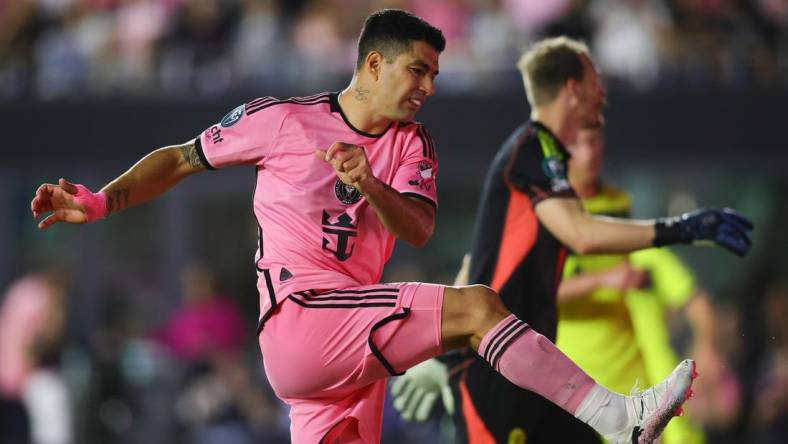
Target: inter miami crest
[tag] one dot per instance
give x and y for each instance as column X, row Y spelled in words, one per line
column 347, row 194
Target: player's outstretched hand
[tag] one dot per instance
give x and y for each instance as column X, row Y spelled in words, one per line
column 68, row 202
column 722, row 226
column 416, row 392
column 624, row 277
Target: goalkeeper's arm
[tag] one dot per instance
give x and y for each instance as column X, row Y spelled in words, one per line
column 573, row 226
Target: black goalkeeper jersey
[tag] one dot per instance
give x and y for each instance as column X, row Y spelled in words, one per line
column 512, row 251
column 516, row 255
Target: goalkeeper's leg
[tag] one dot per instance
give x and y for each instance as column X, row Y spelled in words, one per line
column 474, row 316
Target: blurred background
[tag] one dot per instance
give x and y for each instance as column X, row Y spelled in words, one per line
column 140, row 329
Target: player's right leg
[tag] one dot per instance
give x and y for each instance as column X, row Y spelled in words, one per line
column 474, row 316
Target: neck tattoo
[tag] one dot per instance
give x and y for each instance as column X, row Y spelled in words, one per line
column 361, row 94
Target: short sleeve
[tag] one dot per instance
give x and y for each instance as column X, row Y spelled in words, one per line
column 418, row 169
column 245, row 135
column 538, row 168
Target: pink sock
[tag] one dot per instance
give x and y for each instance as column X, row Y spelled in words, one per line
column 531, row 361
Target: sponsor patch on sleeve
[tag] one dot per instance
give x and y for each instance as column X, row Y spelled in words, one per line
column 425, row 177
column 233, row 117
column 554, row 167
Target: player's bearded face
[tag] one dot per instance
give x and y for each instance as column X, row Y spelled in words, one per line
column 408, row 81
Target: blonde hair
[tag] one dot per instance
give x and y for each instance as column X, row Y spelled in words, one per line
column 548, row 64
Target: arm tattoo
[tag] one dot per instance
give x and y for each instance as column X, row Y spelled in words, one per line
column 116, row 200
column 190, row 155
column 361, row 94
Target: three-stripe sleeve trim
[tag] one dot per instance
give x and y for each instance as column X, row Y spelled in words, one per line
column 428, row 146
column 266, row 102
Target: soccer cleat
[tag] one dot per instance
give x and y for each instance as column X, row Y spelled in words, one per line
column 655, row 407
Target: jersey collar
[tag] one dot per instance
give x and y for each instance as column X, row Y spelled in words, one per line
column 335, row 108
column 558, row 143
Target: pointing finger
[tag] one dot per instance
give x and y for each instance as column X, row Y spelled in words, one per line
column 333, row 149
column 338, row 146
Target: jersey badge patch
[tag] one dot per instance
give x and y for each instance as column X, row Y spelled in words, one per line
column 233, row 117
column 347, row 194
column 425, row 178
column 425, row 170
column 554, row 167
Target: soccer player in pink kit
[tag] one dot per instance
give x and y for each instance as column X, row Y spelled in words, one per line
column 339, row 177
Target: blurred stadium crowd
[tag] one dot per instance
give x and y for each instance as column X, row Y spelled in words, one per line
column 127, row 341
column 64, row 48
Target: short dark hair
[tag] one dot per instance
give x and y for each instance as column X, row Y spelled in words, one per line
column 548, row 64
column 391, row 32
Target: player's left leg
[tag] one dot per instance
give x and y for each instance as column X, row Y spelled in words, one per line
column 474, row 316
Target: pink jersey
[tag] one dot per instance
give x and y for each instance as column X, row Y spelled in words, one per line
column 317, row 232
column 24, row 314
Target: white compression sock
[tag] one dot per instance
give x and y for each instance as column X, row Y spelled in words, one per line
column 605, row 411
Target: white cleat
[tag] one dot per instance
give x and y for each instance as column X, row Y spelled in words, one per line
column 655, row 407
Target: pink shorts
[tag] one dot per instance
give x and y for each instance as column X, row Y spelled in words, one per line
column 328, row 354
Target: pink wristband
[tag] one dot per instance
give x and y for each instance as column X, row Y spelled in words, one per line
column 95, row 204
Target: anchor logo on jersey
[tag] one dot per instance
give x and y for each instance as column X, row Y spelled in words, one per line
column 343, row 229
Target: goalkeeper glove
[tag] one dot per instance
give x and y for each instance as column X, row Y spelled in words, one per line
column 724, row 227
column 416, row 392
